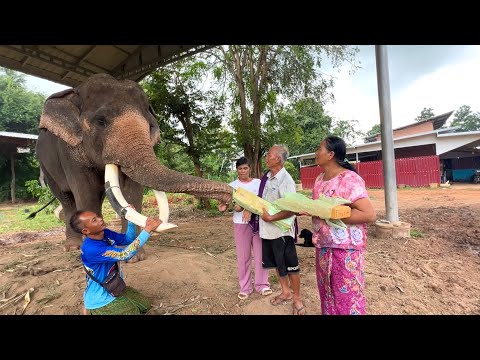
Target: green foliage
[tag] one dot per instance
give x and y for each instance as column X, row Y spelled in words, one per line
column 217, row 165
column 20, row 109
column 416, row 233
column 26, row 168
column 190, row 119
column 346, row 129
column 376, row 129
column 213, row 211
column 426, row 113
column 273, row 279
column 292, row 170
column 300, row 126
column 466, row 119
column 303, row 125
column 259, row 78
column 174, row 157
column 43, row 194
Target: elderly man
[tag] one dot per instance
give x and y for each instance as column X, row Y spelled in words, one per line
column 278, row 247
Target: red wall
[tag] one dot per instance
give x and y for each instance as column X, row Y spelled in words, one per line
column 417, row 171
column 308, row 174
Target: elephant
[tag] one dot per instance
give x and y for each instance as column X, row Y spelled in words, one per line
column 107, row 121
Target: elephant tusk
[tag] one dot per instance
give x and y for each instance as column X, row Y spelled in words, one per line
column 163, row 209
column 120, row 205
column 57, row 212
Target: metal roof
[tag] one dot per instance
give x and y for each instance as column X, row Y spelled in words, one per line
column 18, row 135
column 444, row 139
column 437, row 122
column 8, row 139
column 70, row 65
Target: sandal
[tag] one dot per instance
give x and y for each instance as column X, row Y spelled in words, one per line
column 299, row 311
column 266, row 292
column 278, row 300
column 242, row 296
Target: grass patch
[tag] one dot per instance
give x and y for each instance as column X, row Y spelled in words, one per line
column 108, row 212
column 416, row 233
column 15, row 220
column 273, row 279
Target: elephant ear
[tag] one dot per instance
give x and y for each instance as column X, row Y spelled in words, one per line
column 61, row 116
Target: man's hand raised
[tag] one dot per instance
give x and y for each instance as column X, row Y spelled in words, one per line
column 152, row 224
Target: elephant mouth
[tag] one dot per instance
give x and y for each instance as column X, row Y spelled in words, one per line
column 120, row 205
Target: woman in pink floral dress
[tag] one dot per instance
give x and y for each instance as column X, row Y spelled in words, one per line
column 340, row 252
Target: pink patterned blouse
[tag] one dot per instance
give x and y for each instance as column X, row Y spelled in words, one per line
column 350, row 186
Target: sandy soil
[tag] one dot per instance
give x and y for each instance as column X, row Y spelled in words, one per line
column 192, row 269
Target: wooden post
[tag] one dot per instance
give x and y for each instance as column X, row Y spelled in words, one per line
column 12, row 186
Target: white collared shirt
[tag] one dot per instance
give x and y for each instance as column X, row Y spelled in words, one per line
column 275, row 188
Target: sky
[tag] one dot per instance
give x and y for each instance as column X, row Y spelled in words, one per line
column 441, row 77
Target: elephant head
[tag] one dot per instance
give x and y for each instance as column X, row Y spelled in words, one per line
column 107, row 121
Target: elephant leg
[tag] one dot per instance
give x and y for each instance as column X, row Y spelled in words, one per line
column 133, row 193
column 73, row 240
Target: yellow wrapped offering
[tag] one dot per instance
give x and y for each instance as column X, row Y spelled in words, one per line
column 255, row 204
column 324, row 207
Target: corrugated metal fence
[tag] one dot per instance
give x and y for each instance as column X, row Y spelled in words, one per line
column 417, row 171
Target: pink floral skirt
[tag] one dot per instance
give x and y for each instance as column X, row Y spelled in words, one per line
column 341, row 281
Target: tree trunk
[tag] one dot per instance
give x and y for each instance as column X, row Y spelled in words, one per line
column 12, row 186
column 199, row 172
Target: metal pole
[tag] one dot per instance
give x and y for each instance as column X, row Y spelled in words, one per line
column 388, row 154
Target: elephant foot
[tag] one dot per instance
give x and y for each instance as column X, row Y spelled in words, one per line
column 72, row 245
column 139, row 256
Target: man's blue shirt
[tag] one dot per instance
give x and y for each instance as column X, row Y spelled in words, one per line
column 100, row 256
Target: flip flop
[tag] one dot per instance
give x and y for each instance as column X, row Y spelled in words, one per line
column 299, row 311
column 242, row 296
column 266, row 292
column 278, row 300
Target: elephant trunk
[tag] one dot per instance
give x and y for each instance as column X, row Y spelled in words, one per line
column 134, row 154
column 152, row 174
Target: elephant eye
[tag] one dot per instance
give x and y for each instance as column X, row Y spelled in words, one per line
column 101, row 120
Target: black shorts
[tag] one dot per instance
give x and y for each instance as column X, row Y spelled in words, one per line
column 280, row 254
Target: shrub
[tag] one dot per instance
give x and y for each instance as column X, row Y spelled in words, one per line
column 42, row 194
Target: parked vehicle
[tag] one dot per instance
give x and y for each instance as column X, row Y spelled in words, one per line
column 476, row 177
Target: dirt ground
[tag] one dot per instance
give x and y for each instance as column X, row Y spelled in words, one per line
column 192, row 269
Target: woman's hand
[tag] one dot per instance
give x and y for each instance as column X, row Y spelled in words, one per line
column 222, row 207
column 247, row 215
column 302, row 213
